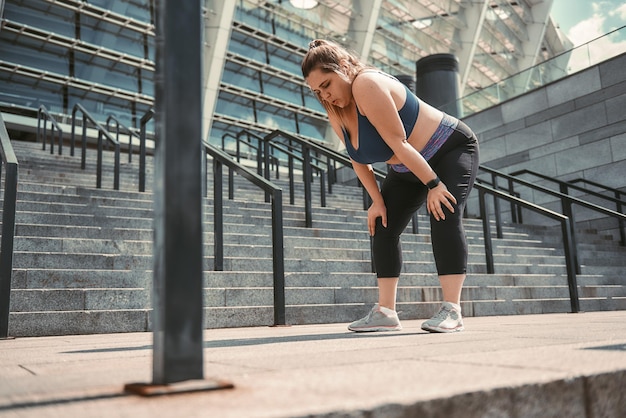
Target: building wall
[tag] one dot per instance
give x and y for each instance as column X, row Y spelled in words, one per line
column 572, row 128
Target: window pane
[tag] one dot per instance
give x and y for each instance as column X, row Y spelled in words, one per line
column 247, row 47
column 229, row 104
column 245, row 78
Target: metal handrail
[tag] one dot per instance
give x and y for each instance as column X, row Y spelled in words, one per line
column 220, row 158
column 568, row 240
column 142, row 148
column 42, row 113
column 264, row 163
column 566, row 202
column 126, row 130
column 332, row 158
column 307, row 147
column 102, row 132
column 618, row 193
column 565, row 186
column 9, row 161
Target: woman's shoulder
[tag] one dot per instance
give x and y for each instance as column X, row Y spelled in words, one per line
column 372, row 80
column 376, row 86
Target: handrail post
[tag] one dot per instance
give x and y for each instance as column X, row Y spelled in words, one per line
column 266, row 160
column 99, row 162
column 307, row 175
column 570, row 264
column 484, row 214
column 73, row 136
column 566, row 206
column 278, row 258
column 516, row 210
column 414, row 224
column 83, row 160
column 496, row 207
column 231, row 184
column 292, row 188
column 330, row 169
column 116, row 169
column 142, row 149
column 218, row 217
column 259, row 158
column 322, row 190
column 60, row 133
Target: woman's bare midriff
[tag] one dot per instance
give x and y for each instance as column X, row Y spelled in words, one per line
column 427, row 123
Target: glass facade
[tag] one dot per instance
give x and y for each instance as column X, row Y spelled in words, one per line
column 101, row 53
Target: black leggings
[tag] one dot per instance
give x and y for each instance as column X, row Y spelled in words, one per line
column 456, row 164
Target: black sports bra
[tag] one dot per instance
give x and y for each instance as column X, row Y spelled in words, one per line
column 371, row 146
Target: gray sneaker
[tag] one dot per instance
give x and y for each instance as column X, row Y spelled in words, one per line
column 376, row 320
column 448, row 319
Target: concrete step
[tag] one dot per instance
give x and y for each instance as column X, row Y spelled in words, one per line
column 83, row 261
column 137, row 320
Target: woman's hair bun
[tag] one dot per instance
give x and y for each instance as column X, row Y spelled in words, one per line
column 315, row 43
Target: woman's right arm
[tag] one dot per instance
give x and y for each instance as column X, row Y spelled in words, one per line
column 366, row 175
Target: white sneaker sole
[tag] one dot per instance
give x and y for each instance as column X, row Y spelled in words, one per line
column 375, row 329
column 442, row 330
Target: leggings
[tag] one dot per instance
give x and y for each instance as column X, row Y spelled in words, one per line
column 456, row 164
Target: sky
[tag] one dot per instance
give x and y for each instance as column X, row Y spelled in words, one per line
column 585, row 20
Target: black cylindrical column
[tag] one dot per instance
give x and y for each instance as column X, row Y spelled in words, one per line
column 437, row 82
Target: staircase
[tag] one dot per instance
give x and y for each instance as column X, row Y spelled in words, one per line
column 83, row 258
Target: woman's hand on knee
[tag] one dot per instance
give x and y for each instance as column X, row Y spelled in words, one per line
column 376, row 210
column 438, row 197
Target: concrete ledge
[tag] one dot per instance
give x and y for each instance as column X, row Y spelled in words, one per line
column 550, row 365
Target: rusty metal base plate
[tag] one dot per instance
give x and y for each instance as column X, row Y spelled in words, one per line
column 188, row 386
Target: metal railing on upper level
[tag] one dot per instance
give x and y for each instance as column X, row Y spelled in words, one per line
column 555, row 68
column 8, row 166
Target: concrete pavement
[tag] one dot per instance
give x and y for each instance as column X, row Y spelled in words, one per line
column 560, row 365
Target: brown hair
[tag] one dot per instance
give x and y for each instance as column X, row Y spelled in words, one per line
column 328, row 56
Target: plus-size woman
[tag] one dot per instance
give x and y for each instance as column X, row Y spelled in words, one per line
column 432, row 158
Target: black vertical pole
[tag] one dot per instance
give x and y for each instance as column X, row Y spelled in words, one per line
column 178, row 208
column 177, row 251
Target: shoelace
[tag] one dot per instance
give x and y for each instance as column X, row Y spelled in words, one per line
column 368, row 318
column 443, row 313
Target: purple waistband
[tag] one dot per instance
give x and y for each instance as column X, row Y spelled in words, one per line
column 443, row 132
column 436, row 141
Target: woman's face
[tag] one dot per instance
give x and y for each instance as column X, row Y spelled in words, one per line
column 331, row 87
